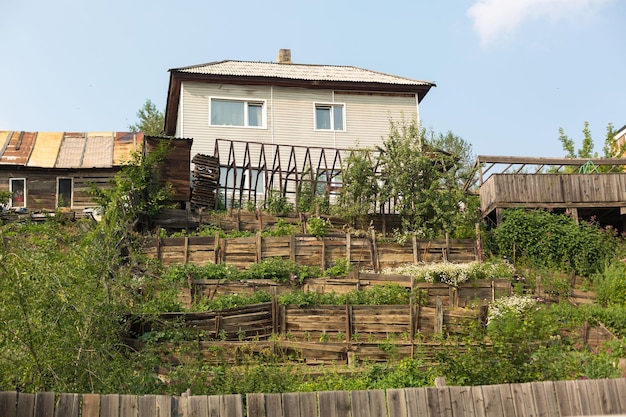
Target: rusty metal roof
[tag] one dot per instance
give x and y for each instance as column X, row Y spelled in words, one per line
column 68, row 149
column 299, row 72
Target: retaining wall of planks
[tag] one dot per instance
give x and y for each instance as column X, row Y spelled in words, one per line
column 555, row 399
column 468, row 293
column 309, row 250
column 337, row 323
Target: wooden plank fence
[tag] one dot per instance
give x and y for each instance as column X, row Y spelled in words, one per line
column 260, row 321
column 479, row 291
column 309, row 250
column 555, row 399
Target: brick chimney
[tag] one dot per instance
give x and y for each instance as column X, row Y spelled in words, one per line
column 284, row 56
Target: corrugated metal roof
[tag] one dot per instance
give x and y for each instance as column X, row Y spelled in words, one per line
column 298, row 72
column 68, row 149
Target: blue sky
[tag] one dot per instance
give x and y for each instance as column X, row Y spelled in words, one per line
column 509, row 73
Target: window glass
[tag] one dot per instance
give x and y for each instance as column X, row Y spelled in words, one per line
column 338, row 117
column 64, row 198
column 322, row 117
column 227, row 113
column 255, row 114
column 329, row 117
column 18, row 190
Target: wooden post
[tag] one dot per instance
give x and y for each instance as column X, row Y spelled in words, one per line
column 384, row 225
column 238, row 218
column 292, row 248
column 259, row 246
column 282, row 313
column 479, row 244
column 412, row 317
column 216, row 248
column 418, row 315
column 493, row 291
column 323, row 255
column 158, row 243
column 439, row 316
column 447, row 252
column 375, row 260
column 260, row 217
column 348, row 247
column 348, row 321
column 415, row 250
column 186, row 249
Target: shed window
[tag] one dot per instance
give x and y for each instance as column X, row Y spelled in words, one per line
column 65, row 192
column 329, row 117
column 17, row 186
column 242, row 113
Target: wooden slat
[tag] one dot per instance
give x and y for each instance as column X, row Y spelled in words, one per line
column 461, row 402
column 479, row 401
column 164, row 404
column 417, row 402
column 291, row 405
column 492, row 401
column 25, row 405
column 128, row 406
column 214, row 405
column 197, row 405
column 255, row 404
column 327, row 403
column 8, row 401
column 378, row 403
column 396, row 403
column 343, row 404
column 273, row 405
column 67, row 406
column 231, row 405
column 523, row 399
column 110, row 406
column 360, row 404
column 146, row 405
column 44, row 404
column 91, row 405
column 308, row 404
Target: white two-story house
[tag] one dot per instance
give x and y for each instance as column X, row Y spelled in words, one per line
column 283, row 103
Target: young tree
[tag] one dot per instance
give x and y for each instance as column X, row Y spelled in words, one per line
column 360, row 185
column 151, row 120
column 611, row 148
column 422, row 181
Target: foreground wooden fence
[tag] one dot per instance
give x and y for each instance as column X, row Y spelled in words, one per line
column 309, row 250
column 553, row 399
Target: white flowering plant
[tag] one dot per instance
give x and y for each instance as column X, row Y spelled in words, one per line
column 454, row 274
column 518, row 304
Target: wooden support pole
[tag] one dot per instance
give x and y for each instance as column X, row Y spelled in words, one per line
column 348, row 247
column 375, row 260
column 446, row 254
column 292, row 248
column 217, row 248
column 238, row 219
column 415, row 250
column 259, row 246
column 439, row 316
column 348, row 321
column 323, row 255
column 479, row 244
column 186, row 249
column 259, row 215
column 158, row 244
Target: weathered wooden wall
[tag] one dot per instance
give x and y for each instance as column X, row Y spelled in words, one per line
column 41, row 184
column 308, row 250
column 554, row 399
column 553, row 190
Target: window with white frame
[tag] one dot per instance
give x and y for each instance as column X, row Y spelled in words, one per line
column 236, row 112
column 65, row 192
column 17, row 186
column 329, row 116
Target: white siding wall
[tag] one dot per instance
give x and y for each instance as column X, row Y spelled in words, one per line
column 290, row 117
